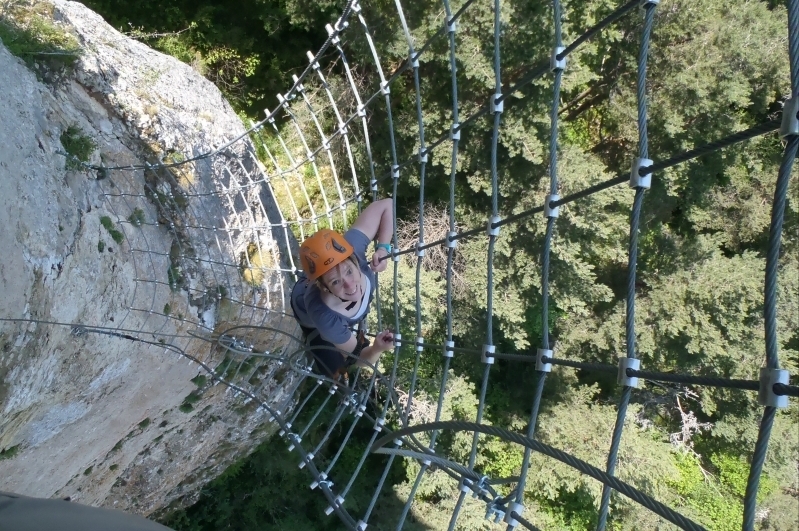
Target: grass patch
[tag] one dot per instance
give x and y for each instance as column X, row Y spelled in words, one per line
column 200, row 380
column 100, row 246
column 192, row 398
column 174, row 277
column 9, row 453
column 167, row 309
column 117, row 236
column 118, row 445
column 29, row 32
column 137, row 217
column 78, row 145
column 88, row 471
column 143, row 424
column 113, row 467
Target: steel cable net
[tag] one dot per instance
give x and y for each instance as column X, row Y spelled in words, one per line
column 330, row 146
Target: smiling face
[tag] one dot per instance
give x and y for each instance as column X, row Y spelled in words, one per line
column 344, row 281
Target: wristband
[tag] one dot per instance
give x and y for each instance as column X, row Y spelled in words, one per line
column 386, row 246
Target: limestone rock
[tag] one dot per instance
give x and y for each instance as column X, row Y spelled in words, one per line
column 98, row 401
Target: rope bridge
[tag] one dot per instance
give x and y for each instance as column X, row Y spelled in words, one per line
column 323, row 154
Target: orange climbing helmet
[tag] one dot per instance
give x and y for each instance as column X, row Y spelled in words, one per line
column 323, row 251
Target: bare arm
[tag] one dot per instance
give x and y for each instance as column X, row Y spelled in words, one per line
column 383, row 341
column 347, row 346
column 377, row 220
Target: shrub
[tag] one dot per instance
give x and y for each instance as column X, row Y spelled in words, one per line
column 78, row 145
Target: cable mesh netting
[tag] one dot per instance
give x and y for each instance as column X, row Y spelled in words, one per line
column 329, row 147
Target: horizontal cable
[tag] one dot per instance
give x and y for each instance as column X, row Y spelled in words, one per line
column 786, row 390
column 526, row 523
column 729, row 383
column 752, row 132
column 599, row 367
column 607, row 21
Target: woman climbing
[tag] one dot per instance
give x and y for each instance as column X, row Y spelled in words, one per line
column 332, row 297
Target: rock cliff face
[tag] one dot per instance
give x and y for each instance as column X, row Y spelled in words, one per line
column 106, row 276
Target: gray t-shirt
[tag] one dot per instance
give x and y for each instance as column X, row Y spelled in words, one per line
column 311, row 312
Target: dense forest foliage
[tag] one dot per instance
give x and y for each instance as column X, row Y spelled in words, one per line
column 716, row 67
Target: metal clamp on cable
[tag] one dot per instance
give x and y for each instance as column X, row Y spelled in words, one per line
column 491, row 229
column 488, row 351
column 494, row 512
column 451, row 241
column 624, row 364
column 414, row 60
column 384, row 88
column 556, row 64
column 419, row 344
column 322, row 478
column 308, row 459
column 497, row 106
column 333, row 34
column 361, row 410
column 790, row 117
column 419, row 250
column 549, row 210
column 637, row 179
column 479, row 487
column 540, row 364
column 311, row 59
column 398, row 339
column 356, row 7
column 373, row 185
column 643, row 4
column 361, row 525
column 337, row 502
column 422, row 155
column 379, row 423
column 397, row 442
column 513, row 508
column 395, row 255
column 295, row 440
column 300, row 87
column 352, row 401
column 455, row 132
column 282, row 432
column 361, row 112
column 395, row 172
column 448, row 346
column 766, row 395
column 451, row 24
